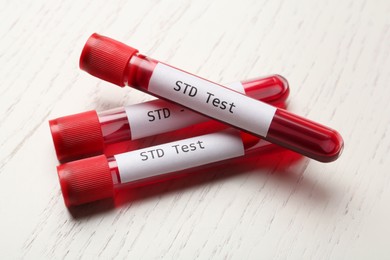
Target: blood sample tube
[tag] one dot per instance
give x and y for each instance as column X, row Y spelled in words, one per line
column 122, row 65
column 87, row 134
column 98, row 177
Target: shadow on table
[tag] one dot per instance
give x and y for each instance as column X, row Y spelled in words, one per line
column 278, row 165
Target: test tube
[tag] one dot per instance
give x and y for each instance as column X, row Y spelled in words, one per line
column 122, row 65
column 98, row 177
column 88, row 133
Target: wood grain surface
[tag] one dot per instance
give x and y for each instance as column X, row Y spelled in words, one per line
column 336, row 56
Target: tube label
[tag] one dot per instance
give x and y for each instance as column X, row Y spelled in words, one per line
column 159, row 116
column 211, row 99
column 179, row 155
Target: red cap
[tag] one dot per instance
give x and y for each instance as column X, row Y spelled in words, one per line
column 106, row 58
column 77, row 136
column 85, row 180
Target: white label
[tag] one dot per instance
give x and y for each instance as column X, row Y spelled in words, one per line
column 179, row 155
column 159, row 116
column 211, row 99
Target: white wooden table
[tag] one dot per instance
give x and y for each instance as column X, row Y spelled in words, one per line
column 336, row 56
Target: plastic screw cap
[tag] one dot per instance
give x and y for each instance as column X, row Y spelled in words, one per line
column 106, row 58
column 86, row 180
column 77, row 135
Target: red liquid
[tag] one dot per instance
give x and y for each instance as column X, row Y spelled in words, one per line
column 287, row 130
column 305, row 137
column 99, row 177
column 251, row 144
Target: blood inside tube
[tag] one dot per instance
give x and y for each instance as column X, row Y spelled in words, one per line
column 146, row 164
column 98, row 177
column 305, row 136
column 256, row 152
column 288, row 130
